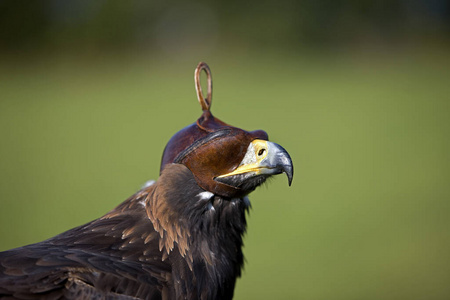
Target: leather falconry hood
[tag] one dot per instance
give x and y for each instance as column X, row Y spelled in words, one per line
column 210, row 147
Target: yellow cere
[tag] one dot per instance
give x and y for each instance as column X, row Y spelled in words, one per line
column 256, row 153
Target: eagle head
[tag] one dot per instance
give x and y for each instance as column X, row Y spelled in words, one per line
column 225, row 160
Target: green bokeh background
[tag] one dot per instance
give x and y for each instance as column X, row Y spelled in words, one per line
column 367, row 215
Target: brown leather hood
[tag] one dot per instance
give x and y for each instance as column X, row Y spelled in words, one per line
column 210, row 147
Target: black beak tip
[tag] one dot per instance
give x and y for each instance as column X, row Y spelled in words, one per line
column 289, row 170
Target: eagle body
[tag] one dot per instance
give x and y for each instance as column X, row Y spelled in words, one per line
column 177, row 238
column 164, row 242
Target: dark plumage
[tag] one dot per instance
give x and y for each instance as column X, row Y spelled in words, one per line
column 179, row 238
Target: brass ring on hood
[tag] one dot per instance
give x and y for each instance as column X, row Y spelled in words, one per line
column 204, row 102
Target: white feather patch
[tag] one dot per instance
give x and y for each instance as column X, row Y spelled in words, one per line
column 148, row 183
column 205, row 195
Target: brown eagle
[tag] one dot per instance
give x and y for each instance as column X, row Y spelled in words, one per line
column 177, row 238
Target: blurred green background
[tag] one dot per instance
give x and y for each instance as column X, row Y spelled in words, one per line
column 357, row 92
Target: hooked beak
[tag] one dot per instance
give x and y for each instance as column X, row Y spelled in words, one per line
column 264, row 158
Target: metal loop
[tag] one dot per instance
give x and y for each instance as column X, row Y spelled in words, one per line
column 204, row 102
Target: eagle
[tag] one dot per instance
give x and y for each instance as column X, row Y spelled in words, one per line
column 179, row 237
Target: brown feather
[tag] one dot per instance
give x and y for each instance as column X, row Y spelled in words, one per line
column 161, row 242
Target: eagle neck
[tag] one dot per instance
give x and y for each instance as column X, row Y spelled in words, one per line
column 201, row 233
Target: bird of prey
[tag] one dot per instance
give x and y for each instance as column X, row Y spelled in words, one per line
column 177, row 238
